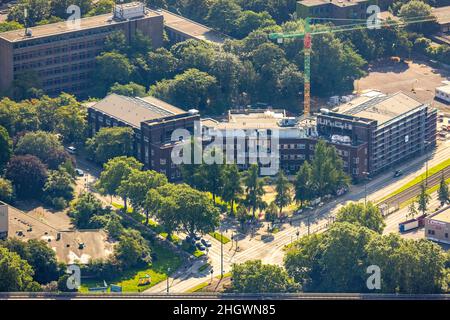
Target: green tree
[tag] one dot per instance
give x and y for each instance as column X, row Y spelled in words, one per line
column 407, row 266
column 180, row 207
column 59, row 188
column 443, row 194
column 283, row 196
column 107, row 61
column 412, row 210
column 38, row 255
column 5, row 147
column 10, row 25
column 37, row 10
column 136, row 186
column 191, row 89
column 15, row 273
column 84, row 208
column 130, row 90
column 115, row 171
column 27, row 174
column 132, row 249
column 102, row 7
column 232, row 187
column 366, row 215
column 6, row 190
column 272, row 212
column 254, row 277
column 304, row 183
column 249, row 20
column 72, row 122
column 58, row 8
column 254, row 188
column 116, row 41
column 44, row 145
column 331, row 261
column 108, row 143
column 423, row 199
column 222, row 15
column 162, row 65
column 413, row 10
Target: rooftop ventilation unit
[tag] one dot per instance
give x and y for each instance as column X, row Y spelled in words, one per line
column 129, row 10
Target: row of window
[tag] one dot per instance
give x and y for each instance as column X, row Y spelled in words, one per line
column 63, row 37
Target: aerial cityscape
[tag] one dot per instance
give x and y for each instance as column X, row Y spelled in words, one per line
column 224, row 149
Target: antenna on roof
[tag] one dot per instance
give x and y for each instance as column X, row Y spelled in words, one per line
column 28, row 32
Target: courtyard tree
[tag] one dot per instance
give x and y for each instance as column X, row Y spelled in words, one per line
column 304, row 184
column 232, row 187
column 108, row 143
column 423, row 199
column 283, row 196
column 254, row 188
column 5, row 147
column 114, row 172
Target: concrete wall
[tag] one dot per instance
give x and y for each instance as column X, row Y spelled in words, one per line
column 4, row 222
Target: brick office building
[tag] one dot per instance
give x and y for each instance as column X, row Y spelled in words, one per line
column 152, row 121
column 63, row 57
column 370, row 133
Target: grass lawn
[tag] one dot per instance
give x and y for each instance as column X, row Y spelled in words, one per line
column 129, row 280
column 418, row 179
column 216, row 235
column 429, row 191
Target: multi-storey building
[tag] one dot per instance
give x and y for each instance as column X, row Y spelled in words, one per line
column 63, row 54
column 395, row 128
column 153, row 122
column 332, row 9
column 296, row 139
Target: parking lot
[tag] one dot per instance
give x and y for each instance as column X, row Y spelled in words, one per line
column 415, row 78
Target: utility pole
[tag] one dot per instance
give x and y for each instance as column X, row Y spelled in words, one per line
column 366, row 177
column 168, row 276
column 221, row 254
column 308, row 226
column 307, row 69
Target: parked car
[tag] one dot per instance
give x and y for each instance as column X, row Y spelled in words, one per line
column 190, row 240
column 79, row 172
column 200, row 246
column 206, row 243
column 197, row 236
column 72, row 150
column 398, row 173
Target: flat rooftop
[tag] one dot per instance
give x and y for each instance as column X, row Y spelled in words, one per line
column 442, row 14
column 133, row 111
column 189, row 27
column 382, row 108
column 445, row 89
column 443, row 216
column 64, row 27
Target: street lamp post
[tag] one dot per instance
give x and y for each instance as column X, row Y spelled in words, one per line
column 308, row 226
column 427, row 143
column 366, row 176
column 221, row 254
column 168, row 276
column 297, row 233
column 212, row 271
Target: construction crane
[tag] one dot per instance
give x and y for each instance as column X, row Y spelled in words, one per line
column 354, row 24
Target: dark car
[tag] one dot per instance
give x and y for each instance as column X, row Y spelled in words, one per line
column 206, row 243
column 200, row 246
column 197, row 236
column 398, row 173
column 190, row 240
